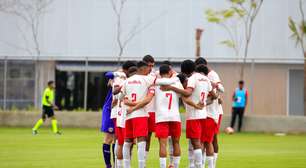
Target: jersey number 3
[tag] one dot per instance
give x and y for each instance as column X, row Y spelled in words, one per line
column 133, row 97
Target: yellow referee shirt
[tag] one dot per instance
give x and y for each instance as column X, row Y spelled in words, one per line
column 48, row 97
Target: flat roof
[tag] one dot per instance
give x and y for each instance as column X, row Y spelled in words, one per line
column 158, row 59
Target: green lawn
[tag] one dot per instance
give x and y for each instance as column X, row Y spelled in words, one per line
column 81, row 148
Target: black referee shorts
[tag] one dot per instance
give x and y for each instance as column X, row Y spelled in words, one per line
column 47, row 112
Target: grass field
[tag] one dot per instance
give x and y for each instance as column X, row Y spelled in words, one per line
column 81, row 148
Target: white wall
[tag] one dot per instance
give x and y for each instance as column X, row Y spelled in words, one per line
column 87, row 28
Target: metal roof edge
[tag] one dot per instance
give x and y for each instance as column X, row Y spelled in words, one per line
column 263, row 60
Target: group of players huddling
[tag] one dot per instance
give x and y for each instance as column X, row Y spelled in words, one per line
column 143, row 101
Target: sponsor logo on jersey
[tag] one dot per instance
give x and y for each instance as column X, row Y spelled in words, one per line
column 134, row 82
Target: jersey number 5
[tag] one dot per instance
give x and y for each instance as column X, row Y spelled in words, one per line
column 169, row 95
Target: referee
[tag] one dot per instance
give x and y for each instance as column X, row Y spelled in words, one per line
column 48, row 107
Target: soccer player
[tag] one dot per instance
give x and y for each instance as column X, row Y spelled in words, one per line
column 198, row 88
column 136, row 124
column 48, row 108
column 110, row 111
column 210, row 126
column 168, row 121
column 168, row 118
column 135, row 90
column 120, row 124
column 150, row 108
column 215, row 107
column 167, row 115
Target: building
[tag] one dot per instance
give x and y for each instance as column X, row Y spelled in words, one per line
column 78, row 35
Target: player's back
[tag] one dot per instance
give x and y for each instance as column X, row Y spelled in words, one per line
column 135, row 89
column 167, row 104
column 214, row 109
column 213, row 76
column 201, row 87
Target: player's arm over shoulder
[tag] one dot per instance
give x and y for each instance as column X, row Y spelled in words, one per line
column 140, row 104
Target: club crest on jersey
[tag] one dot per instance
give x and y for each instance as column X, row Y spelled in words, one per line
column 110, row 129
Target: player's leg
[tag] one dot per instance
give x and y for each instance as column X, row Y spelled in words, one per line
column 119, row 154
column 234, row 114
column 119, row 146
column 140, row 127
column 148, row 143
column 240, row 116
column 162, row 152
column 106, row 148
column 39, row 122
column 216, row 149
column 203, row 155
column 194, row 132
column 209, row 154
column 175, row 132
column 128, row 142
column 209, row 126
column 197, row 152
column 170, row 146
column 162, row 133
column 215, row 141
column 190, row 154
column 196, row 143
column 151, row 129
column 141, row 150
column 115, row 143
column 126, row 151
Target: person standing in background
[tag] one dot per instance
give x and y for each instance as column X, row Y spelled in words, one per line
column 240, row 99
column 48, row 108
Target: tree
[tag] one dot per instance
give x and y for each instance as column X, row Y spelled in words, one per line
column 123, row 36
column 298, row 29
column 30, row 12
column 239, row 17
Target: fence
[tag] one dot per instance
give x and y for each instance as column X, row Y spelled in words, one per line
column 275, row 85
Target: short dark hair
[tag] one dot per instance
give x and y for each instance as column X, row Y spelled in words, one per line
column 164, row 69
column 187, row 67
column 127, row 64
column 202, row 69
column 148, row 59
column 241, row 82
column 132, row 70
column 200, row 61
column 167, row 62
column 182, row 78
column 141, row 64
column 50, row 82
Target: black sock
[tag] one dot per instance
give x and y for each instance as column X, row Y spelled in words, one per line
column 113, row 149
column 106, row 154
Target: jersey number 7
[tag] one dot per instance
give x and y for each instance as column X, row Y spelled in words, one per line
column 169, row 95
